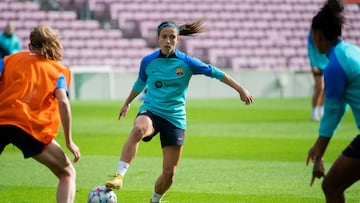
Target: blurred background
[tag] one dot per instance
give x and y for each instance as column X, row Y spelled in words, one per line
column 261, row 43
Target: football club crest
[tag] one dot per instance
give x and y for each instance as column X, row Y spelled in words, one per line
column 179, row 71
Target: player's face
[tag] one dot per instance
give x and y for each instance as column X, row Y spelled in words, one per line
column 168, row 39
column 9, row 30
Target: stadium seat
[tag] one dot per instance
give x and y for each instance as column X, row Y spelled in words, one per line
column 251, row 34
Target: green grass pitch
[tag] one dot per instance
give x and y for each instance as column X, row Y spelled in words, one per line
column 232, row 153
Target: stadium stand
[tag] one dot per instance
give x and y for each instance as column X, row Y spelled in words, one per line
column 84, row 41
column 252, row 34
column 257, row 34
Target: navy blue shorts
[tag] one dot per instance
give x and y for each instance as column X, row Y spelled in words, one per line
column 170, row 135
column 29, row 146
column 353, row 149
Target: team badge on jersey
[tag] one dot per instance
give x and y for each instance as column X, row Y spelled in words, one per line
column 179, row 71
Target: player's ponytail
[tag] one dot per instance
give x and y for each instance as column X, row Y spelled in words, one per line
column 192, row 28
column 330, row 20
column 45, row 41
column 185, row 29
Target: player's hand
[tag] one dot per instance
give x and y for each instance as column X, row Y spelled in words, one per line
column 318, row 169
column 246, row 97
column 74, row 149
column 123, row 111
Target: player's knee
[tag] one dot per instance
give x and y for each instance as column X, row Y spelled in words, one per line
column 326, row 186
column 329, row 188
column 69, row 171
column 139, row 131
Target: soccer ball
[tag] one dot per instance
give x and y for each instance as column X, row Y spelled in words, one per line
column 101, row 194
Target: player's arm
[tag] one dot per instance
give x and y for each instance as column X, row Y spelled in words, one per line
column 245, row 96
column 65, row 112
column 137, row 88
column 315, row 155
column 65, row 116
column 336, row 82
column 199, row 67
column 124, row 109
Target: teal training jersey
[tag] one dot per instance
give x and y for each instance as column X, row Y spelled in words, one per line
column 315, row 57
column 166, row 78
column 342, row 86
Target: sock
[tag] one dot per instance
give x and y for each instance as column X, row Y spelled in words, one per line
column 156, row 197
column 320, row 111
column 122, row 168
column 314, row 113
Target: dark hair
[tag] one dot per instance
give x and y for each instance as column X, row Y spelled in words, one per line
column 185, row 29
column 330, row 19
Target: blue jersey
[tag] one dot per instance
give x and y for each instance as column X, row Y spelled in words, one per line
column 342, row 86
column 166, row 78
column 315, row 57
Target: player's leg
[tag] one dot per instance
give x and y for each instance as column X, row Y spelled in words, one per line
column 4, row 141
column 343, row 173
column 143, row 126
column 56, row 160
column 171, row 158
column 318, row 95
column 319, row 83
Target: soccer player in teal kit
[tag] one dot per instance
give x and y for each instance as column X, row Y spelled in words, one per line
column 166, row 74
column 342, row 89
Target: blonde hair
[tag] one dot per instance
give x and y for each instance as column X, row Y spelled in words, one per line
column 45, row 41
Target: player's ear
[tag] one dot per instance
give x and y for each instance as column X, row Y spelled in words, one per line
column 158, row 38
column 29, row 47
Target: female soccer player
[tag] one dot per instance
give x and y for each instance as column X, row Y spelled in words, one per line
column 166, row 74
column 33, row 92
column 342, row 88
column 318, row 62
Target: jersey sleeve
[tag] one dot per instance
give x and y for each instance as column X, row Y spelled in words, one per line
column 61, row 83
column 216, row 73
column 335, row 107
column 140, row 82
column 310, row 52
column 139, row 85
column 199, row 67
column 1, row 65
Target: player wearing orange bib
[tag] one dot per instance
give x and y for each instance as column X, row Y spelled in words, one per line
column 30, row 94
column 33, row 92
